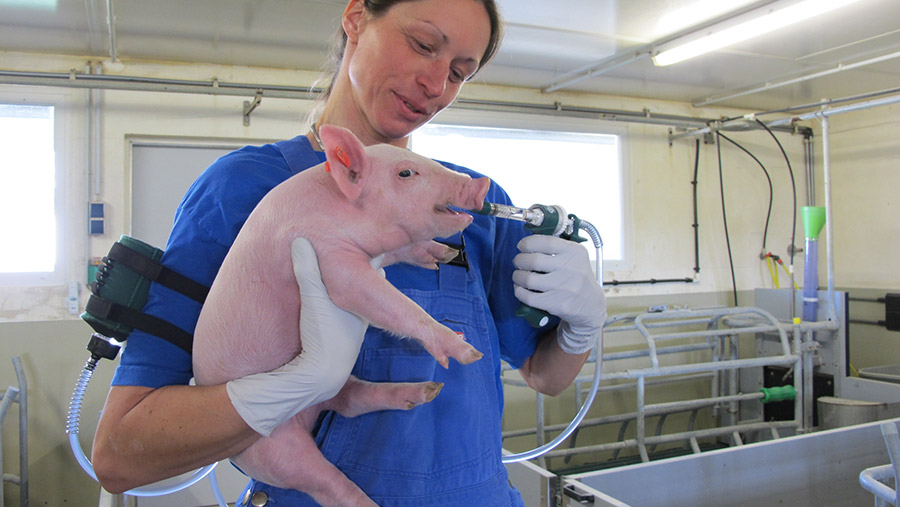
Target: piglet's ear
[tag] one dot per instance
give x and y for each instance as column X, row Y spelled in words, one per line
column 347, row 160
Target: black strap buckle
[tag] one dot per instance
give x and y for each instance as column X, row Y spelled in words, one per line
column 461, row 259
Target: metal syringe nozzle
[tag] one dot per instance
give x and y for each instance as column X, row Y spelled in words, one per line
column 532, row 216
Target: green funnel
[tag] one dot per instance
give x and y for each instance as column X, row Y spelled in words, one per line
column 813, row 221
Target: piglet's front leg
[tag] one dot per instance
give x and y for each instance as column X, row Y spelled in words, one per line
column 358, row 288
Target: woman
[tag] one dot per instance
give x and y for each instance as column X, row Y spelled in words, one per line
column 401, row 63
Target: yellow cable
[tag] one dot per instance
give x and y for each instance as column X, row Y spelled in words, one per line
column 789, row 275
column 772, row 271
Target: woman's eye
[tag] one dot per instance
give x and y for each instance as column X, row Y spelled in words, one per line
column 406, row 173
column 421, row 46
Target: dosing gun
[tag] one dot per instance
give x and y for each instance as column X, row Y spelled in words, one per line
column 552, row 221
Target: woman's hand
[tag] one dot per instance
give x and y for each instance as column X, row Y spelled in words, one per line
column 555, row 275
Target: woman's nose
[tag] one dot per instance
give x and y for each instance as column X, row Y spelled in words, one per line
column 434, row 78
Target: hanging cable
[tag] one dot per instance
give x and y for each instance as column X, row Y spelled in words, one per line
column 769, row 179
column 696, row 221
column 725, row 218
column 793, row 191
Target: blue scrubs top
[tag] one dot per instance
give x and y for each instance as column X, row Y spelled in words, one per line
column 446, row 452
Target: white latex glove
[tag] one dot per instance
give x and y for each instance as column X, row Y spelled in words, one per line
column 554, row 275
column 331, row 339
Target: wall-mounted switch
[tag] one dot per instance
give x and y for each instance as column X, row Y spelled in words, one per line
column 72, row 300
column 96, row 217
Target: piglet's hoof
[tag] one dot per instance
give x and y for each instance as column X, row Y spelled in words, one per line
column 431, row 390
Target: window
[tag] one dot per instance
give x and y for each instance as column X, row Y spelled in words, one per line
column 582, row 172
column 27, row 189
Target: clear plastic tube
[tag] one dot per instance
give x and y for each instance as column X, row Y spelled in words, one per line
column 595, row 383
column 157, row 489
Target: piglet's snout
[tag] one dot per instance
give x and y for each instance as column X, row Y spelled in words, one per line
column 472, row 192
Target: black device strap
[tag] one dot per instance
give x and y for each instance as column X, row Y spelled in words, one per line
column 104, row 309
column 158, row 273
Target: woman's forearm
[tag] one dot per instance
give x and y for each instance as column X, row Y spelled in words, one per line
column 550, row 370
column 146, row 435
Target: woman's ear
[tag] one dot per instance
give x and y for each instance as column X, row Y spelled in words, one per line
column 353, row 19
column 347, row 161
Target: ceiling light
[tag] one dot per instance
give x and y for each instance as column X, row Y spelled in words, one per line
column 741, row 28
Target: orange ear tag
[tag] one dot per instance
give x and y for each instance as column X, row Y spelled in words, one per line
column 342, row 156
column 327, row 167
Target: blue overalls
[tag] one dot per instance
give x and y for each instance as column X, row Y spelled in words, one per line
column 446, row 452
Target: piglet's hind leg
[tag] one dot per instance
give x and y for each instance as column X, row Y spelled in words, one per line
column 360, row 397
column 290, row 459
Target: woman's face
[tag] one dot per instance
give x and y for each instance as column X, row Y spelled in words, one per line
column 408, row 64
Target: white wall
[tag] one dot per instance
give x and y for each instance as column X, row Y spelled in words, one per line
column 35, row 324
column 658, row 187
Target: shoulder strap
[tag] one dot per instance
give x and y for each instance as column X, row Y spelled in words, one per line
column 158, row 273
column 109, row 311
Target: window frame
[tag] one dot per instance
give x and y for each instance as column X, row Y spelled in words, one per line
column 565, row 124
column 66, row 238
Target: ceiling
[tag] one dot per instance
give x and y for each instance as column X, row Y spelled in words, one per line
column 547, row 42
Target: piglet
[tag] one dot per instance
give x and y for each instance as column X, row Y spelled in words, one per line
column 362, row 204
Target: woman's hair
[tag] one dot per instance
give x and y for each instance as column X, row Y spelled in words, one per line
column 377, row 8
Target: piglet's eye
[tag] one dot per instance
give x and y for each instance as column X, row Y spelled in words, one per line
column 406, row 173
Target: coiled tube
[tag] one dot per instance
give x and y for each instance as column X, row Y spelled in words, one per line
column 72, row 422
column 74, row 415
column 598, row 245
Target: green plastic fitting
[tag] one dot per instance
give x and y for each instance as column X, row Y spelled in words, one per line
column 773, row 394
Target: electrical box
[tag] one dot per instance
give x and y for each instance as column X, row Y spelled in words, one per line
column 892, row 311
column 96, row 217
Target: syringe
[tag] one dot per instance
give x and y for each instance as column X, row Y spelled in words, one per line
column 549, row 220
column 531, row 216
column 539, row 218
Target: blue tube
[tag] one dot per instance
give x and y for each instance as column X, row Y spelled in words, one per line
column 811, row 281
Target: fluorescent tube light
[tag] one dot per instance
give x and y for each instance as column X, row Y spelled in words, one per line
column 760, row 22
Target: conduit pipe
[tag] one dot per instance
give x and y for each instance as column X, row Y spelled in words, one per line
column 95, row 133
column 770, row 86
column 746, row 121
column 111, row 27
column 216, row 87
column 829, row 215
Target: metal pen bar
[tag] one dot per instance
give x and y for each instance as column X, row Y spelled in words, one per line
column 513, row 381
column 650, row 411
column 662, row 350
column 655, row 325
column 655, row 381
column 675, row 437
column 698, row 367
column 23, row 430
